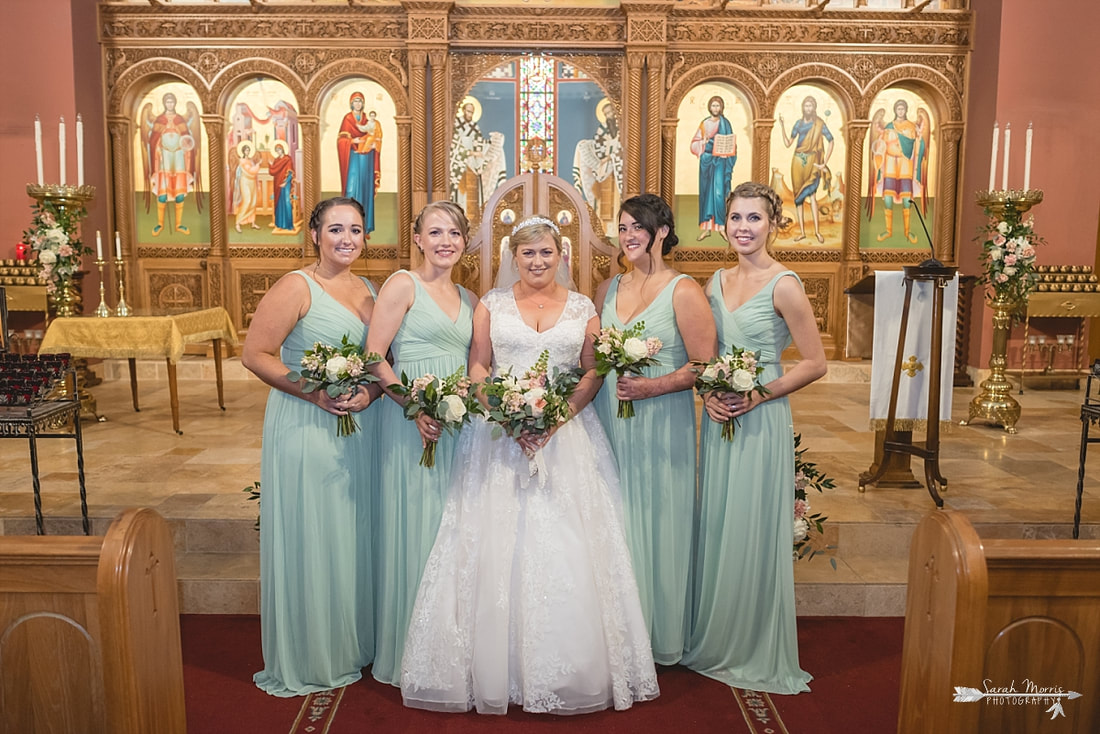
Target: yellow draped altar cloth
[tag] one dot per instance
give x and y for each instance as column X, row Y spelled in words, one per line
column 141, row 337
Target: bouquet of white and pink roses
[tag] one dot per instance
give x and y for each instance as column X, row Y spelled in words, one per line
column 736, row 372
column 535, row 402
column 338, row 370
column 450, row 400
column 623, row 352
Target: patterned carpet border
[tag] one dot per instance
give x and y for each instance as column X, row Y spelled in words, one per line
column 760, row 713
column 318, row 712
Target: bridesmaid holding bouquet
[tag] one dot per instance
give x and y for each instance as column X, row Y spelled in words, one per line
column 655, row 449
column 426, row 321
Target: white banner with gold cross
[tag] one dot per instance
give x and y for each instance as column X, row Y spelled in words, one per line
column 912, row 409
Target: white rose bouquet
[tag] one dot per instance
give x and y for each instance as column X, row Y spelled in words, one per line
column 625, row 352
column 450, row 400
column 736, row 372
column 535, row 402
column 338, row 370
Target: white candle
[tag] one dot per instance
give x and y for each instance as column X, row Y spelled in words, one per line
column 1027, row 158
column 993, row 157
column 118, row 247
column 1004, row 173
column 61, row 147
column 79, row 151
column 38, row 150
column 98, row 246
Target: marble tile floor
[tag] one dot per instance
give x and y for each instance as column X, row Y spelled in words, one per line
column 1012, row 486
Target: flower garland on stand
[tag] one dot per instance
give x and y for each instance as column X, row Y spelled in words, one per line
column 53, row 236
column 809, row 529
column 1008, row 254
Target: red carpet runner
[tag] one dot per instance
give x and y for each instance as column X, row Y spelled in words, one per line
column 855, row 663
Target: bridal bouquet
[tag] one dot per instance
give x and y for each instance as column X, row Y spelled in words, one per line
column 338, row 370
column 450, row 400
column 535, row 402
column 735, row 372
column 623, row 352
column 807, row 476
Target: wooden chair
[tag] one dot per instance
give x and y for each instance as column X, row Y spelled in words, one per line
column 89, row 631
column 999, row 614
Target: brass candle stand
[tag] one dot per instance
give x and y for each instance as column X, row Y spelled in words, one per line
column 102, row 309
column 68, row 201
column 121, row 309
column 995, row 403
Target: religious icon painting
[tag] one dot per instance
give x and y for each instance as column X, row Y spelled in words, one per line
column 263, row 164
column 588, row 140
column 713, row 154
column 484, row 135
column 171, row 184
column 808, row 155
column 898, row 173
column 359, row 152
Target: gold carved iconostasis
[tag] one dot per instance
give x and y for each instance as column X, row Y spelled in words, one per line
column 229, row 121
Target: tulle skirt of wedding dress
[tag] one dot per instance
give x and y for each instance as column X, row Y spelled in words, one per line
column 528, row 596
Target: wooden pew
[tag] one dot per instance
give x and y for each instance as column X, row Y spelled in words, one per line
column 999, row 614
column 89, row 631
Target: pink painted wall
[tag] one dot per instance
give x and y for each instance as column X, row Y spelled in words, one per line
column 1034, row 62
column 49, row 52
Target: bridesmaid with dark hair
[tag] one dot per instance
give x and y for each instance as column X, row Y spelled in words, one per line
column 426, row 321
column 655, row 449
column 315, row 572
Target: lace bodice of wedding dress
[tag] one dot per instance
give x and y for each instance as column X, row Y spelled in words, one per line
column 517, row 346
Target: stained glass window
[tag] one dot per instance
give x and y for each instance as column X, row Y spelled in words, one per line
column 536, row 108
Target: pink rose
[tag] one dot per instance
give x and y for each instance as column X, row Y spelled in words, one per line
column 652, row 346
column 800, row 508
column 999, row 240
column 1010, row 259
column 65, row 250
column 1001, row 277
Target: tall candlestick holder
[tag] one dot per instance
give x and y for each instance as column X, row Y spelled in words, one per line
column 102, row 309
column 121, row 309
column 994, row 403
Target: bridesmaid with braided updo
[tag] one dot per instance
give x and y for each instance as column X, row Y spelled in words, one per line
column 743, row 614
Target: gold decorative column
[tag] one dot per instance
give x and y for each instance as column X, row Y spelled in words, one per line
column 404, row 190
column 944, row 228
column 995, row 402
column 761, row 145
column 654, row 75
column 418, row 101
column 441, row 117
column 668, row 159
column 856, row 131
column 632, row 126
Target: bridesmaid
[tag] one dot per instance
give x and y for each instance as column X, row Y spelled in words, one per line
column 315, row 574
column 743, row 614
column 656, row 448
column 426, row 320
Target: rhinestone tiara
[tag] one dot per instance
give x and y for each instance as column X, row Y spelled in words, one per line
column 531, row 221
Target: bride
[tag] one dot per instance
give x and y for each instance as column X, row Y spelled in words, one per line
column 528, row 596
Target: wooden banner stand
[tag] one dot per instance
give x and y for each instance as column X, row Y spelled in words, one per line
column 894, row 447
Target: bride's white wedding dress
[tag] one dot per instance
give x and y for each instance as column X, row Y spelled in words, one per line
column 528, row 596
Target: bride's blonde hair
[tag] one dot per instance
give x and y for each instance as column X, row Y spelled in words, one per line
column 533, row 229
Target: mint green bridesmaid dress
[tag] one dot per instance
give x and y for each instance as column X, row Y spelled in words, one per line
column 316, row 608
column 655, row 451
column 410, row 497
column 743, row 613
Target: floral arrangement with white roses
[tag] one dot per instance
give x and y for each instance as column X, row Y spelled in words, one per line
column 625, row 352
column 736, row 372
column 450, row 400
column 1008, row 255
column 807, row 476
column 534, row 402
column 336, row 370
column 52, row 237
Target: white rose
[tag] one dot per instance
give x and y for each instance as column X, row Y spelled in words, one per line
column 603, row 348
column 635, row 348
column 534, row 395
column 996, row 253
column 453, row 409
column 742, row 380
column 710, row 372
column 47, row 257
column 334, row 367
column 1002, row 227
column 1009, row 270
column 801, row 529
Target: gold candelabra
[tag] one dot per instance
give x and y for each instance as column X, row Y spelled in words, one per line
column 66, row 300
column 102, row 309
column 995, row 403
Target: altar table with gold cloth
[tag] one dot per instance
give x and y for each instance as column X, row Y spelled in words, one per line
column 134, row 337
